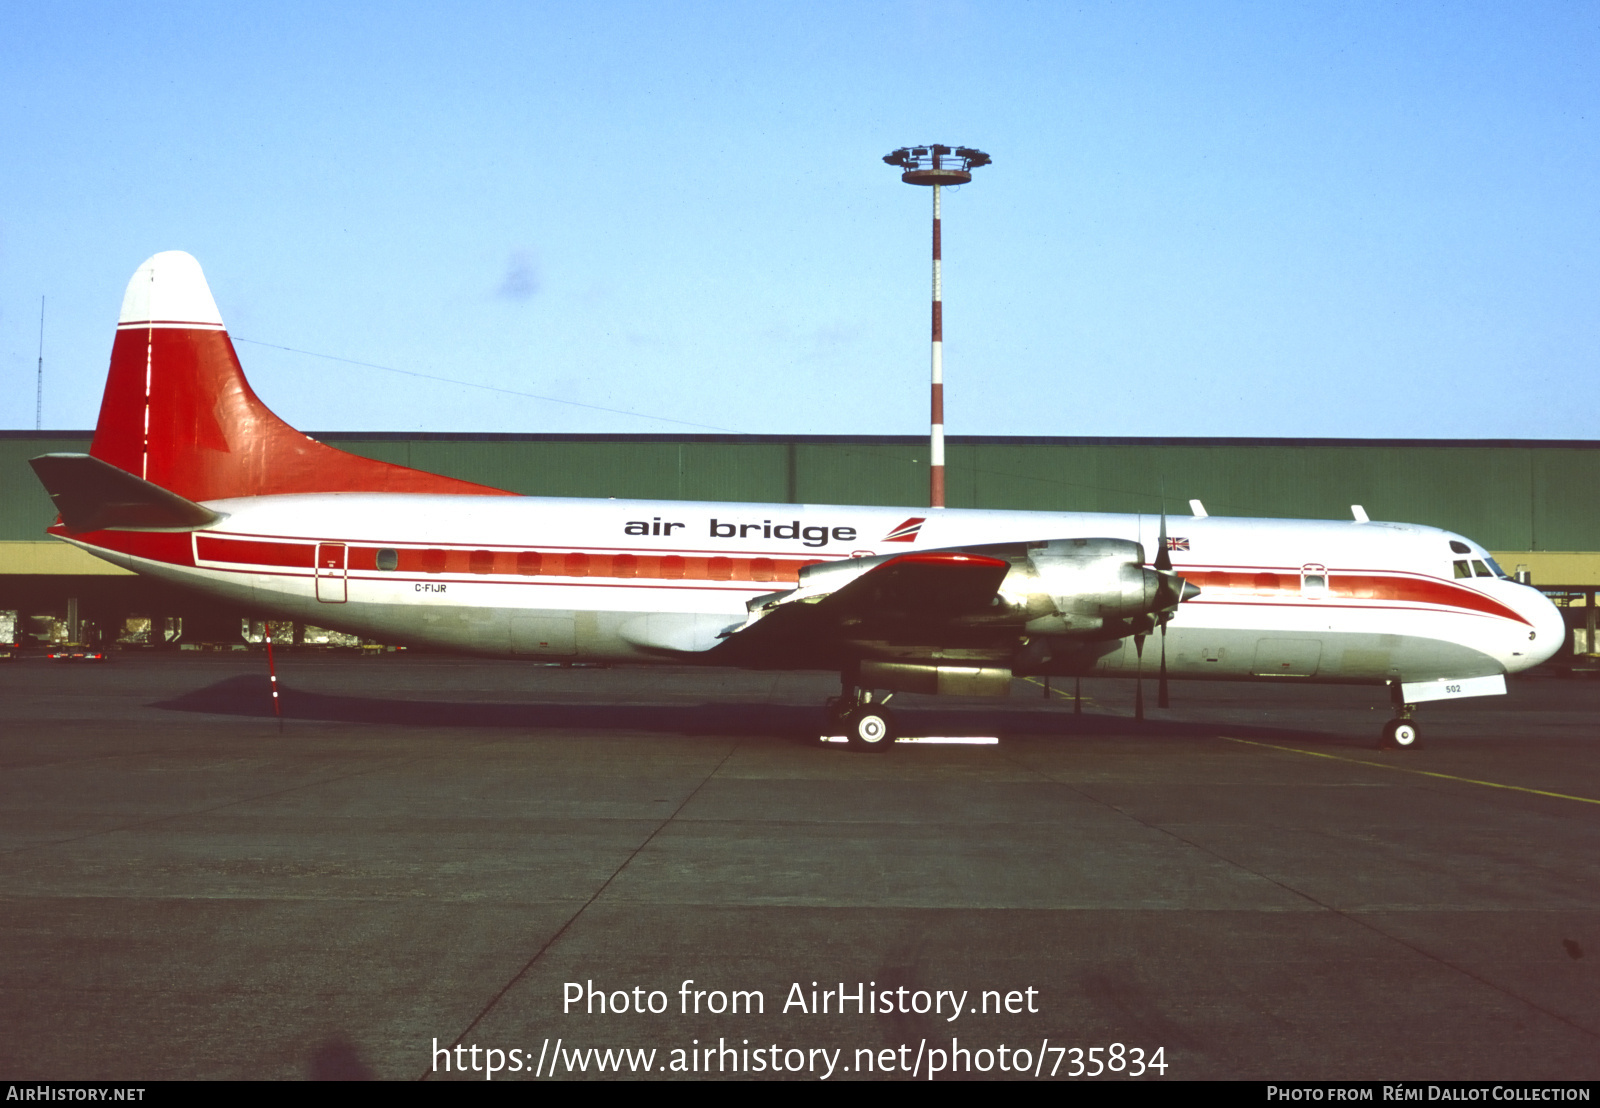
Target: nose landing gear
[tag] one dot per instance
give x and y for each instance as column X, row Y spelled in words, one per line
column 1400, row 733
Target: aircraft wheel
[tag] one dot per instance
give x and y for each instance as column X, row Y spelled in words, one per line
column 1401, row 734
column 870, row 728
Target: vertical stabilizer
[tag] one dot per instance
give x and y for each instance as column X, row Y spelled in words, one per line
column 179, row 413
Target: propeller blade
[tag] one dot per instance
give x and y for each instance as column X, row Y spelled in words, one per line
column 1163, row 560
column 1161, row 683
column 1163, row 564
column 1138, row 681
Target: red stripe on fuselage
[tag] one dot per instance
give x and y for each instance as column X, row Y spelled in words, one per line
column 173, row 548
column 1272, row 585
column 412, row 561
column 255, row 553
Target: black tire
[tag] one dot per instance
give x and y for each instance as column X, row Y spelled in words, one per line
column 1401, row 734
column 870, row 728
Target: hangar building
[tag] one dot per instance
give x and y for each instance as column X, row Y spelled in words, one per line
column 1534, row 503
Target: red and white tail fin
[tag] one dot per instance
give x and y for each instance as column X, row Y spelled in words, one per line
column 178, row 412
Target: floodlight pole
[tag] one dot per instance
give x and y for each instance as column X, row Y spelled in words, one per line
column 937, row 165
column 936, row 431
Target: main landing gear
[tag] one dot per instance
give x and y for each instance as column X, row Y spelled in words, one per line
column 866, row 723
column 1400, row 733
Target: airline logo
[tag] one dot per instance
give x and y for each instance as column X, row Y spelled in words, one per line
column 907, row 531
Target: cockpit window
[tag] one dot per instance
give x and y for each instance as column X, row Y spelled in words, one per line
column 1483, row 566
column 1459, row 547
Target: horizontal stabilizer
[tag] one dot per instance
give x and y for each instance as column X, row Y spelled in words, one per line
column 93, row 495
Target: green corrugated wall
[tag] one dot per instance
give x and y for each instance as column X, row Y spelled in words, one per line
column 1508, row 495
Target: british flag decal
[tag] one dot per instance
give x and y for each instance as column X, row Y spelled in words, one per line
column 1177, row 544
column 907, row 531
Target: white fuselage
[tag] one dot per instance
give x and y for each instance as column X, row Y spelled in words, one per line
column 642, row 581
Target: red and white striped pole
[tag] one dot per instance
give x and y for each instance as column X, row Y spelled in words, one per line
column 936, row 433
column 272, row 672
column 934, row 165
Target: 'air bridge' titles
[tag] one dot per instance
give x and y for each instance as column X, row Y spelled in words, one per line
column 812, row 535
column 815, row 535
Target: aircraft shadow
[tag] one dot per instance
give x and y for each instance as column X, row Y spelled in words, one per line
column 250, row 697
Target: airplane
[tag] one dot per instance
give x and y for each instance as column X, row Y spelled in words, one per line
column 192, row 480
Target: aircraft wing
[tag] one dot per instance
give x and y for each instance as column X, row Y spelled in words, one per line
column 935, row 585
column 979, row 604
column 919, row 598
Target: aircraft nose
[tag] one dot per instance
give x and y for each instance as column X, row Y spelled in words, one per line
column 1549, row 632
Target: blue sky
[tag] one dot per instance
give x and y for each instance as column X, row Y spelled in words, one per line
column 1329, row 219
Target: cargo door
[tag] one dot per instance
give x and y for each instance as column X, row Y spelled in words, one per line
column 1287, row 657
column 553, row 635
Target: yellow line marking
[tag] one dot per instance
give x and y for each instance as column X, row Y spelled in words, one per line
column 1419, row 772
column 1058, row 692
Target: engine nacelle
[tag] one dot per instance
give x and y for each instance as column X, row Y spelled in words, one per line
column 1090, row 587
column 939, row 679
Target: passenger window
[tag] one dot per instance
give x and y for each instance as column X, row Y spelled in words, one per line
column 1462, row 570
column 388, row 560
column 1313, row 581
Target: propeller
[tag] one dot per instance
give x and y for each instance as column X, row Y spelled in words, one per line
column 1172, row 591
column 1164, row 565
column 1138, row 681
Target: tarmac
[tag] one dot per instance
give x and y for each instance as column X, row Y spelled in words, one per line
column 430, row 853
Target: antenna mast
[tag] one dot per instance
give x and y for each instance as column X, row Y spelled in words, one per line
column 38, row 388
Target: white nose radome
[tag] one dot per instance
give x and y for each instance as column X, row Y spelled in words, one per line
column 169, row 291
column 1549, row 629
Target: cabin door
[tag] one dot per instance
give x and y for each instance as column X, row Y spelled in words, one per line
column 331, row 588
